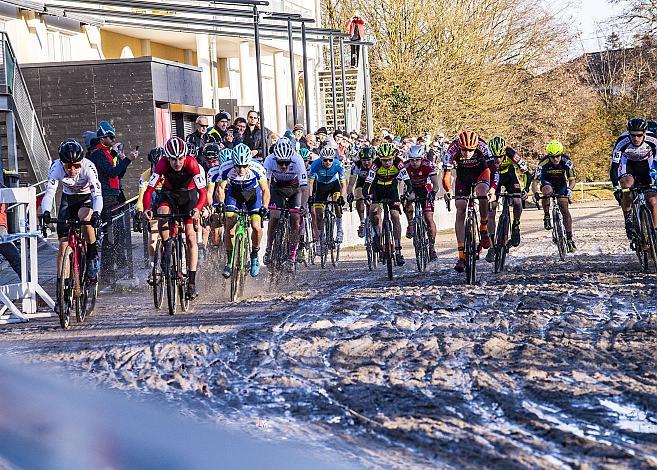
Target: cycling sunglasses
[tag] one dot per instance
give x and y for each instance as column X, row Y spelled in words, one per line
column 328, row 160
column 283, row 163
column 71, row 166
column 241, row 166
column 637, row 135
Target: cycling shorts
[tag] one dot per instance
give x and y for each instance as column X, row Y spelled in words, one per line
column 237, row 198
column 181, row 201
column 282, row 195
column 510, row 182
column 69, row 208
column 560, row 190
column 390, row 191
column 639, row 170
column 468, row 179
column 323, row 192
column 422, row 192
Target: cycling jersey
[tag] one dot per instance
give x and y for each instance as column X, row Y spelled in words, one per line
column 359, row 173
column 557, row 175
column 292, row 176
column 326, row 175
column 250, row 180
column 479, row 168
column 143, row 184
column 421, row 177
column 379, row 174
column 86, row 182
column 189, row 178
column 633, row 160
column 512, row 160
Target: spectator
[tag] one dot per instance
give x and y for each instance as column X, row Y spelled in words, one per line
column 321, row 137
column 253, row 135
column 111, row 166
column 220, row 128
column 90, row 141
column 311, row 142
column 356, row 29
column 388, row 138
column 200, row 136
column 299, row 138
column 239, row 128
column 8, row 250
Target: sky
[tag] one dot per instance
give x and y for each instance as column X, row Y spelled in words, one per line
column 590, row 16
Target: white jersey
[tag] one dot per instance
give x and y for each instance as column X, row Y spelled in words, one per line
column 86, row 182
column 294, row 175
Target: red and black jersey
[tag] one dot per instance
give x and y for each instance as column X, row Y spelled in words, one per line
column 189, row 178
column 421, row 177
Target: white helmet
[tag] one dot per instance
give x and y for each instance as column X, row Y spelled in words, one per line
column 283, row 150
column 328, row 152
column 242, row 155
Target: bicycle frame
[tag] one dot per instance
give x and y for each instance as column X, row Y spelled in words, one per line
column 472, row 243
column 241, row 244
column 645, row 239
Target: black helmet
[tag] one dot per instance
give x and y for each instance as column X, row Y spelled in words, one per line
column 70, row 151
column 155, row 154
column 211, row 150
column 367, row 153
column 637, row 125
column 652, row 126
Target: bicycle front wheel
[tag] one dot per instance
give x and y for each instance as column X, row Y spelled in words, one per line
column 171, row 281
column 421, row 244
column 66, row 288
column 559, row 234
column 183, row 280
column 388, row 248
column 236, row 267
column 649, row 237
column 471, row 251
column 501, row 241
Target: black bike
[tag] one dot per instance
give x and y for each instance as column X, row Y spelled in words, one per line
column 503, row 231
column 387, row 237
column 328, row 231
column 280, row 247
column 170, row 265
column 421, row 241
column 472, row 243
column 644, row 242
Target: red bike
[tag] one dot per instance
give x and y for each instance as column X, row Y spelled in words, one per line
column 74, row 288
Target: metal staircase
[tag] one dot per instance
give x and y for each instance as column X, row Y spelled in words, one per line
column 24, row 147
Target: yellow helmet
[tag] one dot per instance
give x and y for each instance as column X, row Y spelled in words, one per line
column 554, row 148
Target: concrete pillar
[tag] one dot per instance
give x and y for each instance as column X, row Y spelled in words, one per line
column 203, row 58
column 214, row 72
column 188, row 57
column 146, row 48
column 245, row 73
column 281, row 86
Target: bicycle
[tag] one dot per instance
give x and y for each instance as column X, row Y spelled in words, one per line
column 170, row 265
column 421, row 241
column 306, row 245
column 472, row 243
column 501, row 243
column 644, row 242
column 558, row 227
column 387, row 238
column 327, row 236
column 368, row 235
column 280, row 247
column 74, row 287
column 239, row 258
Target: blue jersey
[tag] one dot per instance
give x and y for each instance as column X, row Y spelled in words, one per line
column 250, row 180
column 326, row 175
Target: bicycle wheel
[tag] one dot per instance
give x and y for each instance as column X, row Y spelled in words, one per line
column 275, row 264
column 649, row 237
column 559, row 232
column 241, row 282
column 335, row 247
column 387, row 246
column 183, row 280
column 80, row 286
column 323, row 243
column 171, row 280
column 420, row 244
column 157, row 278
column 66, row 288
column 90, row 293
column 471, row 249
column 501, row 241
column 237, row 266
column 369, row 248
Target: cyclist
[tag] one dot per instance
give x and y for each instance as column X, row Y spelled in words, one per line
column 424, row 181
column 183, row 192
column 556, row 175
column 475, row 168
column 359, row 171
column 330, row 184
column 382, row 182
column 631, row 162
column 243, row 184
column 213, row 158
column 154, row 156
column 81, row 199
column 509, row 165
column 288, row 185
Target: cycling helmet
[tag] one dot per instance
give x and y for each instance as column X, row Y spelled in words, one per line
column 367, row 153
column 70, row 151
column 305, row 154
column 242, row 155
column 328, row 152
column 554, row 148
column 175, row 148
column 211, row 151
column 155, row 154
column 225, row 155
column 652, row 126
column 468, row 139
column 283, row 150
column 637, row 125
column 105, row 129
column 415, row 152
column 386, row 151
column 497, row 146
column 192, row 149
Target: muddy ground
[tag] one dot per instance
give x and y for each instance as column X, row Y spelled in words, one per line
column 550, row 364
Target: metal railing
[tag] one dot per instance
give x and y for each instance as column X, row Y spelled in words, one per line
column 13, row 84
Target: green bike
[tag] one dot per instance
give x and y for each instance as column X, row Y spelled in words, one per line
column 239, row 260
